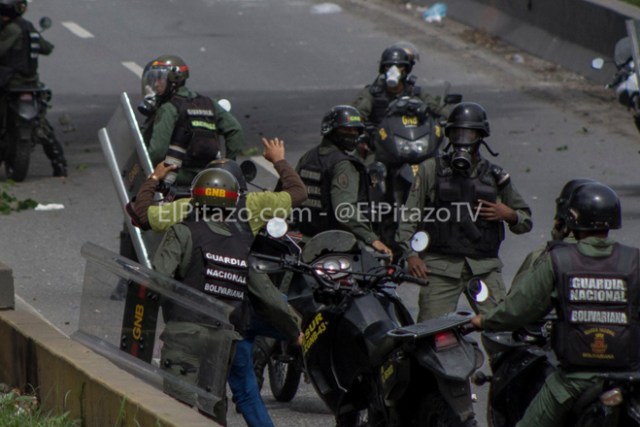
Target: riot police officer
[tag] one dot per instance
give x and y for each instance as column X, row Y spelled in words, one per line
column 183, row 127
column 337, row 182
column 559, row 231
column 568, row 278
column 210, row 255
column 463, row 201
column 394, row 81
column 20, row 46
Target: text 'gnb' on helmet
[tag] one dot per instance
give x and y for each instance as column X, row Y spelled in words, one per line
column 343, row 117
column 215, row 188
column 164, row 75
column 594, row 207
column 12, row 8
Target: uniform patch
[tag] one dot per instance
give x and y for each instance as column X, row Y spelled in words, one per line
column 343, row 180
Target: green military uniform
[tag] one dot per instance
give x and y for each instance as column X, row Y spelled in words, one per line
column 11, row 38
column 164, row 122
column 450, row 274
column 364, row 101
column 189, row 341
column 531, row 300
column 345, row 196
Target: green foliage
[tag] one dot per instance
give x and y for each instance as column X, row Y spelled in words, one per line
column 22, row 411
column 633, row 2
column 9, row 203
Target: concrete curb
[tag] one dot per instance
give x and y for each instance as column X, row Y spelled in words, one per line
column 566, row 32
column 71, row 378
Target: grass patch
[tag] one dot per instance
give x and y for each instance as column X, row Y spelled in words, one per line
column 18, row 410
column 9, row 203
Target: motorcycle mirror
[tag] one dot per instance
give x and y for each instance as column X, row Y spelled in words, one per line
column 597, row 63
column 277, row 227
column 478, row 290
column 249, row 170
column 420, row 241
column 225, row 104
column 45, row 23
column 453, row 98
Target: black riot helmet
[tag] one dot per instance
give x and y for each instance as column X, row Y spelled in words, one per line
column 342, row 116
column 594, row 207
column 232, row 167
column 215, row 188
column 562, row 202
column 467, row 115
column 12, row 8
column 399, row 56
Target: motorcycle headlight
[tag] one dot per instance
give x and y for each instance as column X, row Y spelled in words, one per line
column 405, row 147
column 336, row 268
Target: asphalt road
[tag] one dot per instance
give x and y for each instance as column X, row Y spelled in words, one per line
column 282, row 66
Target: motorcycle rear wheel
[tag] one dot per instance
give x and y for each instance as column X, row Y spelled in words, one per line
column 284, row 377
column 16, row 162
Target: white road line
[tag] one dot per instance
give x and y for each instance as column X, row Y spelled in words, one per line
column 265, row 164
column 77, row 30
column 133, row 67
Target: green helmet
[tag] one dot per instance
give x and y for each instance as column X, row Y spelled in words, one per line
column 215, row 188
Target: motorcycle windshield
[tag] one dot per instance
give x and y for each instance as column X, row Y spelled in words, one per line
column 328, row 242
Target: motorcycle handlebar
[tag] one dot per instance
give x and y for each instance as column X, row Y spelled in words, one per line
column 412, row 279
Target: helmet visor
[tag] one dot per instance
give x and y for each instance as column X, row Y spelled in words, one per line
column 154, row 82
column 462, row 136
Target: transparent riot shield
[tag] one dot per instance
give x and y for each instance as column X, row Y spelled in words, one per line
column 197, row 372
column 633, row 30
column 129, row 163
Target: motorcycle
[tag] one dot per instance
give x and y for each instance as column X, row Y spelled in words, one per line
column 625, row 79
column 408, row 134
column 24, row 123
column 522, row 360
column 364, row 355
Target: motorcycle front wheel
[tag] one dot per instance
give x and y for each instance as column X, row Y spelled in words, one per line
column 284, row 376
column 17, row 158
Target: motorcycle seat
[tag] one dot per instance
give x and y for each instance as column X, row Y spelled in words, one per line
column 430, row 327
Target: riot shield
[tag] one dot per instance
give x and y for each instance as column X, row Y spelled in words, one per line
column 130, row 165
column 100, row 329
column 633, row 30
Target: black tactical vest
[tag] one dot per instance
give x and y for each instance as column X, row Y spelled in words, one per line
column 598, row 326
column 196, row 130
column 382, row 99
column 24, row 60
column 315, row 170
column 452, row 220
column 219, row 268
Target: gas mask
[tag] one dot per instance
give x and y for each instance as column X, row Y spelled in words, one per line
column 393, row 76
column 465, row 143
column 148, row 105
column 347, row 142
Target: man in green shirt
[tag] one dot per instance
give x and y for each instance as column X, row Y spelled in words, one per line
column 566, row 278
column 463, row 201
